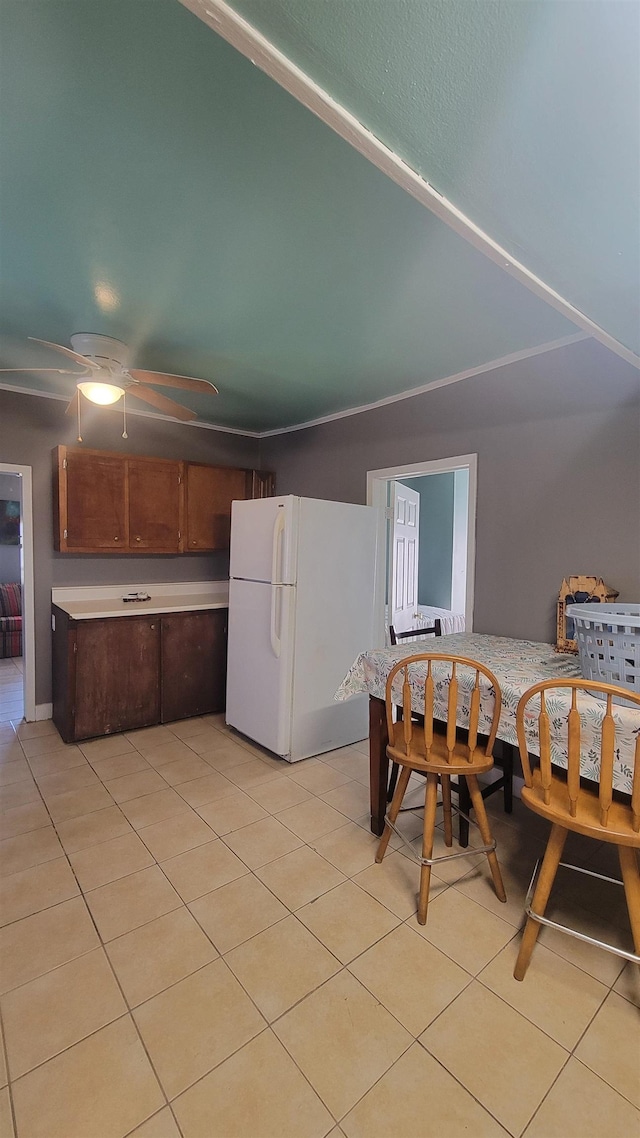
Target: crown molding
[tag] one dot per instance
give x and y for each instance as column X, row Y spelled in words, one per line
column 250, row 42
column 132, row 411
column 492, row 365
column 433, row 385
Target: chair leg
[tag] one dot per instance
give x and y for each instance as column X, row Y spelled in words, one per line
column 393, row 778
column 446, row 808
column 548, row 870
column 487, row 837
column 464, row 803
column 430, row 807
column 631, row 881
column 394, row 810
column 507, row 770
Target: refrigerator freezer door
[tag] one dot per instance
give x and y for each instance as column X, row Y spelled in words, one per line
column 264, row 540
column 259, row 662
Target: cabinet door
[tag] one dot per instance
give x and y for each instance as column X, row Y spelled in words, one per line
column 210, row 490
column 91, row 501
column 117, row 675
column 154, row 505
column 194, row 663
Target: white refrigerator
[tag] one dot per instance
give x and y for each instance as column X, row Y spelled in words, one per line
column 301, row 608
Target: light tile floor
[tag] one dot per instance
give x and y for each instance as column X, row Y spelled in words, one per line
column 11, row 689
column 195, row 940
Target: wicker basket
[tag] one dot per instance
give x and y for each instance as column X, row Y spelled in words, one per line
column 608, row 638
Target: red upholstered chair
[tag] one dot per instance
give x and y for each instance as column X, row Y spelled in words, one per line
column 10, row 620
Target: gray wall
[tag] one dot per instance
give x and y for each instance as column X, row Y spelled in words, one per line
column 30, row 427
column 435, row 538
column 558, row 444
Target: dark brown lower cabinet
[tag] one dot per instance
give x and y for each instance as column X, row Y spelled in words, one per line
column 120, row 673
column 117, row 669
column 194, row 663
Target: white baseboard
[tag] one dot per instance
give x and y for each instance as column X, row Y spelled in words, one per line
column 44, row 711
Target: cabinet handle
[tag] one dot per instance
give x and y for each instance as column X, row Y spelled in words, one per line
column 116, row 539
column 152, row 626
column 138, row 539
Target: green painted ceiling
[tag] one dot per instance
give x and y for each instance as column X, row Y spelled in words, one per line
column 526, row 115
column 157, row 187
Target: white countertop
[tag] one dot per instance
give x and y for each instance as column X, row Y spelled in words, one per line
column 91, row 603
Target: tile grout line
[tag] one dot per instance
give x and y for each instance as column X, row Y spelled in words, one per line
column 269, row 1024
column 128, row 1012
column 519, row 1133
column 344, row 967
column 220, row 957
column 546, row 1094
column 101, row 945
column 3, row 1043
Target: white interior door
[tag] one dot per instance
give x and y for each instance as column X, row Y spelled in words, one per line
column 403, row 574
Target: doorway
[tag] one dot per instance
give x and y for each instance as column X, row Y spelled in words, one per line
column 17, row 624
column 426, row 548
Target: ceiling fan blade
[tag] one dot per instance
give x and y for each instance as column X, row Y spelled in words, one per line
column 161, row 403
column 72, row 407
column 40, row 370
column 84, row 361
column 163, row 379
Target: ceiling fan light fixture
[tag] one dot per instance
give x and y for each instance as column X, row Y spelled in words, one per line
column 101, row 393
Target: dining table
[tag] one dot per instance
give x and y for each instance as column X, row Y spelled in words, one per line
column 517, row 665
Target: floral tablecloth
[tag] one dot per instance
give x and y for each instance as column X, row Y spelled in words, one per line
column 516, row 664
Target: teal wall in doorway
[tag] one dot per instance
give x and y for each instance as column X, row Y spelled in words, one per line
column 436, row 537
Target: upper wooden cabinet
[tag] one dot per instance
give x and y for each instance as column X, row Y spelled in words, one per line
column 209, row 492
column 115, row 503
column 90, row 508
column 155, row 504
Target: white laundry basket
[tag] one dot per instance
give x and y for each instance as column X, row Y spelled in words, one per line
column 608, row 638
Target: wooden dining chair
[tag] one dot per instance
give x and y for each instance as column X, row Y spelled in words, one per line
column 561, row 796
column 438, row 755
column 434, row 629
column 414, row 633
column 504, row 759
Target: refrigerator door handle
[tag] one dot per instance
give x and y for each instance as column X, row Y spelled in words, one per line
column 276, row 643
column 276, row 549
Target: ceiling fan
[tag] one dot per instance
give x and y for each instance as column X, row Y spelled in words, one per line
column 107, row 376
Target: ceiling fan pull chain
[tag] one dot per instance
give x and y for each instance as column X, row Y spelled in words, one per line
column 124, row 416
column 78, row 399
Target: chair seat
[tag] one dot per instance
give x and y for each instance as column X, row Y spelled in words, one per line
column 438, row 760
column 587, row 820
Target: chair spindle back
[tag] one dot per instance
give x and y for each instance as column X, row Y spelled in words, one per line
column 427, row 710
column 573, row 744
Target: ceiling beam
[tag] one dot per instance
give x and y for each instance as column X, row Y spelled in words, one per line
column 242, row 35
